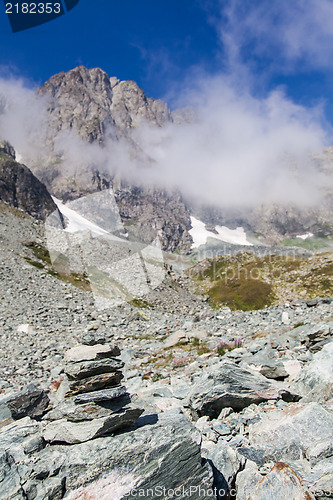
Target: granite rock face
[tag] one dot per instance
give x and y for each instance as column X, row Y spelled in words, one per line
column 20, row 188
column 89, row 101
column 104, row 111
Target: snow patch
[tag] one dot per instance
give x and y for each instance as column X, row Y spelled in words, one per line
column 305, row 236
column 200, row 234
column 76, row 223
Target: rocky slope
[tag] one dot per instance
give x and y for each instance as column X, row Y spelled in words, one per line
column 20, row 188
column 237, row 404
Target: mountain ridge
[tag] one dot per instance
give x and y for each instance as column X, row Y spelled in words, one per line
column 89, row 109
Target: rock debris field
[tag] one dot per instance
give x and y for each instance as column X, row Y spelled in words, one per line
column 104, row 403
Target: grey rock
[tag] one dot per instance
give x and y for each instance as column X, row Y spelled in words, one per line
column 93, row 339
column 274, row 370
column 320, row 479
column 79, row 371
column 30, row 402
column 163, row 451
column 221, row 429
column 281, row 482
column 5, row 415
column 87, row 411
column 78, row 432
column 102, row 395
column 7, row 149
column 225, row 412
column 21, row 189
column 90, row 353
column 227, row 462
column 315, row 379
column 228, row 385
column 94, row 383
column 93, row 106
column 287, row 434
column 246, row 480
column 317, row 336
column 177, row 337
column 319, row 451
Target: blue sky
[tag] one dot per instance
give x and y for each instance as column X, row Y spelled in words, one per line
column 164, row 44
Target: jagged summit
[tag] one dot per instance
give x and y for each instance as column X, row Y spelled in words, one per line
column 88, row 101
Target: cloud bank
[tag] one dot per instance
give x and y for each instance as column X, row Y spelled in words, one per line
column 241, row 150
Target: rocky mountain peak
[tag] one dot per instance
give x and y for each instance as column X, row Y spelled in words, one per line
column 79, row 99
column 89, row 101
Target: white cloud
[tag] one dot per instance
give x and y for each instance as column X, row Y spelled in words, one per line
column 241, row 150
column 23, row 117
column 287, row 33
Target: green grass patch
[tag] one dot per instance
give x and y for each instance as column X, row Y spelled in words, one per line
column 140, row 303
column 39, row 251
column 246, row 294
column 248, row 282
column 59, row 268
column 34, row 263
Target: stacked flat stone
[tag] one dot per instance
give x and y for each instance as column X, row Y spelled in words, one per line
column 95, row 402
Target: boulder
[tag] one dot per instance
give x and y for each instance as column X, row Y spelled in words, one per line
column 317, row 336
column 315, row 381
column 163, row 451
column 246, row 480
column 281, row 482
column 287, row 434
column 228, row 385
column 175, row 338
column 30, row 402
column 320, row 479
column 226, row 464
column 274, row 370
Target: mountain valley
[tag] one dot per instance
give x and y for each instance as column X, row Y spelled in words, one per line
column 153, row 345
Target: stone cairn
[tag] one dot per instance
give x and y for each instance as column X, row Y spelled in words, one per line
column 94, row 402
